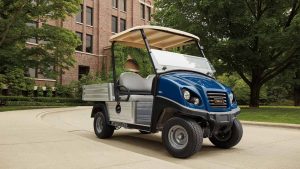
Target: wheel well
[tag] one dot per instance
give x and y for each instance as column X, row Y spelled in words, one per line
column 95, row 110
column 99, row 107
column 168, row 113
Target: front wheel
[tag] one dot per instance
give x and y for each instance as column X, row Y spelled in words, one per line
column 229, row 138
column 101, row 128
column 182, row 137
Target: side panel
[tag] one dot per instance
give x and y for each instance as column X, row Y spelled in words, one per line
column 127, row 114
column 143, row 112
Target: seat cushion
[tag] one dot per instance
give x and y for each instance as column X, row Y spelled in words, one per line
column 148, row 82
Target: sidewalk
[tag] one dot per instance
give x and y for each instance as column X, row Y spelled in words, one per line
column 268, row 124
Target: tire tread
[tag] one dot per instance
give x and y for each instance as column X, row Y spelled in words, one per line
column 237, row 133
column 196, row 136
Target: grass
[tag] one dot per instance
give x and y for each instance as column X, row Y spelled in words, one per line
column 275, row 114
column 11, row 108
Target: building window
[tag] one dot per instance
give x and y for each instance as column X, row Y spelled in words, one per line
column 114, row 24
column 149, row 13
column 89, row 16
column 122, row 25
column 123, row 5
column 34, row 25
column 115, row 3
column 89, row 43
column 79, row 16
column 142, row 11
column 80, row 36
column 32, row 72
column 83, row 70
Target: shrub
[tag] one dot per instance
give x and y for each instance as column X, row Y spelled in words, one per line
column 41, row 99
column 16, row 82
column 2, row 81
column 65, row 91
column 239, row 87
column 85, row 80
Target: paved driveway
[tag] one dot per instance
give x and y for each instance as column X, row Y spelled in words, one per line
column 64, row 138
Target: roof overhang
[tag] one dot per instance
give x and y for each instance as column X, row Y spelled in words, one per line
column 157, row 36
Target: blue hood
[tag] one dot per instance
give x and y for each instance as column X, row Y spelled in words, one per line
column 198, row 80
column 171, row 85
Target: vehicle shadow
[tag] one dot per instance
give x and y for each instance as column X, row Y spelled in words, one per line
column 149, row 144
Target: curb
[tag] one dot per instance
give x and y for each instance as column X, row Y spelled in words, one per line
column 267, row 124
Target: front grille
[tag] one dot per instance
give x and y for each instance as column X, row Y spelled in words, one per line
column 217, row 99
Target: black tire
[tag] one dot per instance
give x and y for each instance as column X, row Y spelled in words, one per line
column 105, row 130
column 144, row 132
column 229, row 139
column 188, row 147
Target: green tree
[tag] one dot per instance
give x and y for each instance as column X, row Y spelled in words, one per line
column 258, row 39
column 56, row 45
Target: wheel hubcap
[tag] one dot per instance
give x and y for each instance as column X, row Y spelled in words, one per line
column 221, row 136
column 99, row 124
column 178, row 137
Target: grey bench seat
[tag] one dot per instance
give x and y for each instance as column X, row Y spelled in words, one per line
column 136, row 84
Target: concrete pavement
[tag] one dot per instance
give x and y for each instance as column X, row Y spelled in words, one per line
column 27, row 142
column 64, row 138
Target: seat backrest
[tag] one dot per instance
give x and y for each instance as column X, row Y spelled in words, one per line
column 134, row 82
column 149, row 80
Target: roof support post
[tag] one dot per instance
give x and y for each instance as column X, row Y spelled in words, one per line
column 148, row 48
column 113, row 62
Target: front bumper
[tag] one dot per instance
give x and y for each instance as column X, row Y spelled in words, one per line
column 223, row 117
column 213, row 117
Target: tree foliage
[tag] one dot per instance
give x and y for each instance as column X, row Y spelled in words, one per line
column 56, row 45
column 258, row 39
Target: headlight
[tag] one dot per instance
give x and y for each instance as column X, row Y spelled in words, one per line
column 231, row 98
column 195, row 100
column 186, row 94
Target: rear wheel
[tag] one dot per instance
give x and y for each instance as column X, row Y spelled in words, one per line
column 101, row 127
column 182, row 137
column 230, row 138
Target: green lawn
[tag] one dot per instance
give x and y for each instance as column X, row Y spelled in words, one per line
column 11, row 108
column 275, row 114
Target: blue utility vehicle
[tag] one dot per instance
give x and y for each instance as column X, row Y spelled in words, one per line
column 182, row 99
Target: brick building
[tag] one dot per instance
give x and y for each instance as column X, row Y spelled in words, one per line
column 94, row 24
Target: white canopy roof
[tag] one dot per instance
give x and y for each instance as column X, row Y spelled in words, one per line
column 158, row 37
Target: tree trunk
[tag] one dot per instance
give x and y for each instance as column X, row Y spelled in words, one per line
column 297, row 95
column 254, row 95
column 297, row 89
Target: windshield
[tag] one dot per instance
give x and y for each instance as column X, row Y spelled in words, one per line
column 167, row 61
